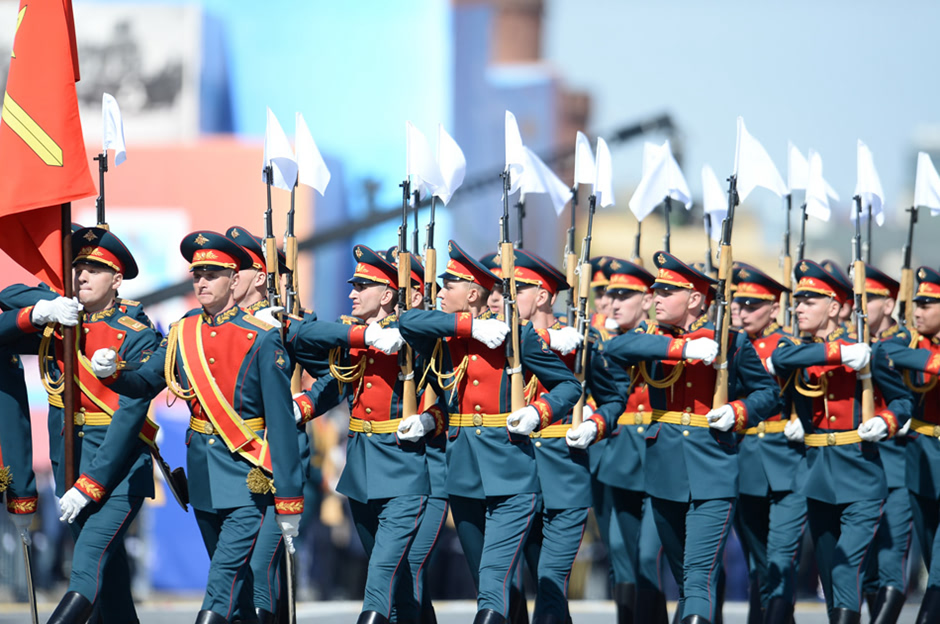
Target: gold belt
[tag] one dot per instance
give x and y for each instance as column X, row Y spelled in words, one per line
column 680, row 418
column 91, row 418
column 767, row 426
column 551, row 431
column 839, row 438
column 925, row 428
column 478, row 420
column 204, row 426
column 635, row 418
column 374, row 426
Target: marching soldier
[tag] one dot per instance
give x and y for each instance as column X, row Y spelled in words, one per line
column 770, row 515
column 691, row 463
column 638, row 591
column 919, row 359
column 112, row 433
column 233, row 371
column 491, row 470
column 886, row 578
column 386, row 475
column 562, row 461
column 841, row 475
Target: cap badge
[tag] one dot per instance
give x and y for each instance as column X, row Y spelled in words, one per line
column 234, row 233
column 661, row 259
column 804, row 267
column 358, row 252
column 922, row 274
column 89, row 236
column 201, row 240
column 744, row 274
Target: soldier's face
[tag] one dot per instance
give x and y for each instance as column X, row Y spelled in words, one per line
column 673, row 306
column 247, row 280
column 628, row 308
column 95, row 285
column 927, row 318
column 735, row 309
column 879, row 308
column 528, row 298
column 214, row 289
column 455, row 296
column 495, row 301
column 602, row 301
column 367, row 300
column 755, row 317
column 814, row 313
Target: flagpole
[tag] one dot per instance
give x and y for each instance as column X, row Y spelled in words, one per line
column 102, row 159
column 68, row 348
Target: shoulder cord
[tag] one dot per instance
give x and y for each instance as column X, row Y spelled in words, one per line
column 53, row 386
column 169, row 368
column 447, row 381
column 667, row 381
column 346, row 374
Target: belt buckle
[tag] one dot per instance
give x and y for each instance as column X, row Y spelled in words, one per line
column 79, row 418
column 638, row 418
column 686, row 418
column 209, row 429
column 477, row 420
column 367, row 426
column 761, row 427
column 831, row 439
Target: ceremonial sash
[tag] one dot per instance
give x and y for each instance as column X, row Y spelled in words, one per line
column 238, row 437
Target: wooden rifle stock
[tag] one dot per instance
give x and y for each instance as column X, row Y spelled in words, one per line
column 864, row 335
column 721, row 332
column 508, row 265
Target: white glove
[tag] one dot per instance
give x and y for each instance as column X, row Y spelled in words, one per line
column 581, row 437
column 586, row 412
column 59, row 310
column 490, row 332
column 22, row 523
column 416, row 427
column 104, row 362
column 269, row 315
column 874, row 429
column 523, row 421
column 385, row 339
column 904, row 428
column 611, row 324
column 721, row 418
column 71, row 504
column 704, row 349
column 856, row 356
column 564, row 340
column 794, row 430
column 290, row 527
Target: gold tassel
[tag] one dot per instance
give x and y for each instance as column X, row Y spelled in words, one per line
column 259, row 483
column 6, row 478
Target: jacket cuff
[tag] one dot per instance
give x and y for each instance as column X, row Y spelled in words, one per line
column 891, row 420
column 22, row 505
column 440, row 421
column 675, row 348
column 90, row 488
column 933, row 364
column 289, row 506
column 833, row 353
column 740, row 415
column 24, row 323
column 357, row 337
column 601, row 427
column 307, row 409
column 463, row 325
column 545, row 412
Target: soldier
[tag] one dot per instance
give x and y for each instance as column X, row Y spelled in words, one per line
column 770, row 515
column 638, row 591
column 495, row 301
column 386, row 476
column 691, row 464
column 841, row 475
column 233, row 371
column 919, row 359
column 491, row 472
column 112, row 433
column 563, row 468
column 886, row 578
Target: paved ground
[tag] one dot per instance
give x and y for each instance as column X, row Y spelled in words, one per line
column 457, row 612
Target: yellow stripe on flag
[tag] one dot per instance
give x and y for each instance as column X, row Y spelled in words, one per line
column 28, row 130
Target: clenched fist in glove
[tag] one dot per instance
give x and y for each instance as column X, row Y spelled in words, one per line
column 71, row 504
column 416, row 426
column 269, row 315
column 490, row 332
column 856, row 356
column 59, row 310
column 794, row 430
column 581, row 437
column 721, row 418
column 523, row 421
column 873, row 430
column 104, row 362
column 385, row 339
column 704, row 349
column 290, row 527
column 564, row 340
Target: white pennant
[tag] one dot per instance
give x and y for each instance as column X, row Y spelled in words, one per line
column 714, row 200
column 279, row 155
column 603, row 176
column 927, row 184
column 515, row 154
column 421, row 165
column 537, row 177
column 798, row 172
column 753, row 166
column 662, row 178
column 817, row 199
column 868, row 186
column 452, row 163
column 113, row 128
column 311, row 169
column 583, row 160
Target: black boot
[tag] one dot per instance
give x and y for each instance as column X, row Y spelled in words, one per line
column 779, row 611
column 929, row 607
column 265, row 616
column 518, row 608
column 72, row 608
column 888, row 606
column 694, row 619
column 210, row 617
column 755, row 615
column 428, row 616
column 371, row 617
column 488, row 616
column 650, row 607
column 844, row 616
column 624, row 595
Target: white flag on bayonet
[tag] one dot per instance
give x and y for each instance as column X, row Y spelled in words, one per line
column 113, row 128
column 453, row 164
column 311, row 169
column 868, row 185
column 538, row 178
column 583, row 160
column 420, row 163
column 603, row 176
column 515, row 154
column 714, row 200
column 798, row 172
column 817, row 197
column 662, row 178
column 927, row 184
column 754, row 167
column 279, row 155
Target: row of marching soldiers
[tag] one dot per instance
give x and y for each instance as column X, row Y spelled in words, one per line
column 662, row 466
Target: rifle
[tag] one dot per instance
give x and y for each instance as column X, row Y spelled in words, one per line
column 584, row 326
column 571, row 260
column 291, row 295
column 520, row 217
column 800, row 255
column 667, row 210
column 102, row 159
column 409, row 399
column 868, row 240
column 862, row 330
column 270, row 244
column 636, row 258
column 906, row 295
column 723, row 296
column 508, row 259
column 709, row 265
column 787, row 265
column 430, row 262
column 414, row 234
